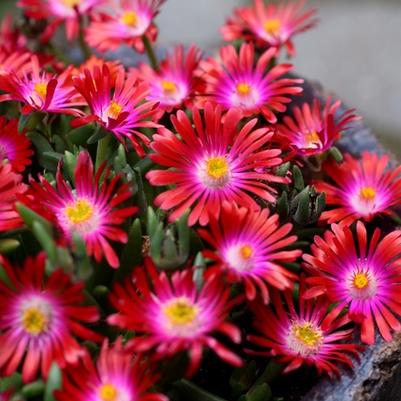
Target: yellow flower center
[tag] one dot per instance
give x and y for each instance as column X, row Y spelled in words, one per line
column 246, row 251
column 79, row 212
column 367, row 193
column 71, row 3
column 169, row 87
column 243, row 89
column 312, row 138
column 307, row 334
column 34, row 321
column 108, row 392
column 217, row 167
column 272, row 26
column 130, row 18
column 41, row 89
column 181, row 312
column 114, row 110
column 361, row 281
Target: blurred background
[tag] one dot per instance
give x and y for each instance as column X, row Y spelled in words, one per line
column 354, row 52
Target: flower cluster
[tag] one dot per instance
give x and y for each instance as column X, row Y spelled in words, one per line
column 163, row 222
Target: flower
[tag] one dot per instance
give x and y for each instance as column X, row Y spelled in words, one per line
column 362, row 274
column 174, row 85
column 125, row 23
column 14, row 146
column 313, row 131
column 90, row 210
column 212, row 162
column 40, row 91
column 13, row 62
column 311, row 335
column 250, row 249
column 39, row 318
column 121, row 112
column 272, row 25
column 58, row 11
column 175, row 316
column 10, row 186
column 362, row 188
column 236, row 82
column 116, row 376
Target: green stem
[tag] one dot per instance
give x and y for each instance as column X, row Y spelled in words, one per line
column 150, row 52
column 103, row 149
column 87, row 52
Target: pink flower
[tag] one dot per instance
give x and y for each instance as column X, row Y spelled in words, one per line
column 124, row 23
column 271, row 25
column 254, row 89
column 175, row 315
column 362, row 273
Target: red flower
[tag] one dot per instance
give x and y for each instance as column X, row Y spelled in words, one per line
column 175, row 316
column 117, row 103
column 249, row 249
column 58, row 11
column 117, row 375
column 362, row 274
column 39, row 318
column 41, row 91
column 213, row 161
column 270, row 25
column 312, row 130
column 15, row 62
column 11, row 38
column 124, row 23
column 237, row 82
column 10, row 187
column 363, row 188
column 14, row 146
column 310, row 335
column 175, row 84
column 91, row 210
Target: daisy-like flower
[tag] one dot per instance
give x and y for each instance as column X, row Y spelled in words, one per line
column 312, row 130
column 117, row 103
column 363, row 189
column 57, row 12
column 10, row 186
column 116, row 376
column 39, row 318
column 91, row 210
column 271, row 25
column 40, row 91
column 213, row 161
column 307, row 335
column 249, row 249
column 14, row 146
column 236, row 82
column 175, row 84
column 175, row 316
column 362, row 274
column 125, row 23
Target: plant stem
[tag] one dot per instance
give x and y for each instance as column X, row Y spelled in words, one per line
column 87, row 52
column 150, row 52
column 102, row 149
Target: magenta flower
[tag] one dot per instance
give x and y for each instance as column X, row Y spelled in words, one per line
column 237, row 82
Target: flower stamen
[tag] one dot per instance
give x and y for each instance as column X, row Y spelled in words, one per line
column 367, row 193
column 71, row 3
column 36, row 317
column 114, row 110
column 108, row 392
column 79, row 212
column 130, row 18
column 41, row 89
column 181, row 312
column 169, row 87
column 361, row 280
column 272, row 26
column 243, row 89
column 246, row 252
